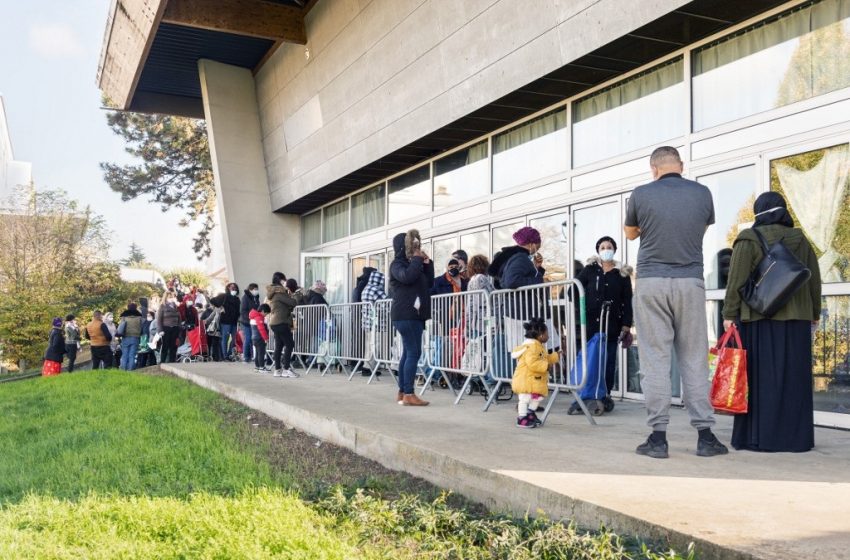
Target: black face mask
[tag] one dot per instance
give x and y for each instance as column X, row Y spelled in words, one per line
column 454, row 271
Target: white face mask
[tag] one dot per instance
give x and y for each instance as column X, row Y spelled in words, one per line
column 607, row 255
column 255, row 292
column 233, row 292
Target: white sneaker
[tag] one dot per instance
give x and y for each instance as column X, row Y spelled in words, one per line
column 278, row 373
column 289, row 373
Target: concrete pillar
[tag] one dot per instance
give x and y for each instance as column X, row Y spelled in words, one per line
column 257, row 242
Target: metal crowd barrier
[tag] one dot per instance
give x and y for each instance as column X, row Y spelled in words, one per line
column 387, row 345
column 311, row 334
column 560, row 304
column 458, row 339
column 348, row 341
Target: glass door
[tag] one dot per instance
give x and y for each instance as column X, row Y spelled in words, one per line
column 332, row 269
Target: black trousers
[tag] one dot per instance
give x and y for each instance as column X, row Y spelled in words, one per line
column 283, row 343
column 259, row 351
column 168, row 354
column 71, row 351
column 101, row 356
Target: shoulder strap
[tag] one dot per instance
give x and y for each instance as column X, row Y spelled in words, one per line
column 762, row 240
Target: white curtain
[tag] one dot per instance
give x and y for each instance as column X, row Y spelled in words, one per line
column 531, row 130
column 817, row 196
column 311, row 230
column 336, row 221
column 367, row 210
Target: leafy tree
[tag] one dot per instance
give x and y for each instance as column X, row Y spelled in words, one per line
column 175, row 169
column 52, row 262
column 188, row 277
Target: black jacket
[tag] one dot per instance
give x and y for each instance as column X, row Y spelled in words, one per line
column 614, row 286
column 410, row 279
column 500, row 259
column 249, row 302
column 55, row 346
column 362, row 280
column 519, row 271
column 315, row 298
column 443, row 285
column 230, row 315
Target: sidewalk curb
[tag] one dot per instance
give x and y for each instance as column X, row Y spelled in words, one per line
column 499, row 492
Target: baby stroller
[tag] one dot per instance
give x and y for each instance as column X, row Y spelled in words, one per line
column 196, row 348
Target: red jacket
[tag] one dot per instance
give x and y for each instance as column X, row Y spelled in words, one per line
column 258, row 320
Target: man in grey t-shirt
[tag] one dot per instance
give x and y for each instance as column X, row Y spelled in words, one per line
column 671, row 215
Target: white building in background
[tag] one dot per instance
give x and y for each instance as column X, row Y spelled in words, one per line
column 12, row 173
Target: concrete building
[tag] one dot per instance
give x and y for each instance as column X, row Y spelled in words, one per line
column 335, row 124
column 13, row 173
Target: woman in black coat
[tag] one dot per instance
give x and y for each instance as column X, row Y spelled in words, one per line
column 605, row 280
column 55, row 352
column 229, row 319
column 411, row 278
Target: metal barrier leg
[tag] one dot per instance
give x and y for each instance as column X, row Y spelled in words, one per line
column 355, row 369
column 493, row 393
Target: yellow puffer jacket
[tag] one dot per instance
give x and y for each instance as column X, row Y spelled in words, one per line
column 532, row 369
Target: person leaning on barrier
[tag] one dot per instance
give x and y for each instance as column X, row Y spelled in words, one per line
column 411, row 277
column 606, row 280
column 780, row 414
column 671, row 215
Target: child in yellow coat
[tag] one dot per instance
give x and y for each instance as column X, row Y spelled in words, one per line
column 531, row 378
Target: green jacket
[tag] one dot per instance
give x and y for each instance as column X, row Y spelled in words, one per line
column 747, row 253
column 282, row 303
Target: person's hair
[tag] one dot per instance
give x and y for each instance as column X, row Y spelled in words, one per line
column 665, row 155
column 265, row 308
column 478, row 264
column 534, row 328
column 278, row 278
column 97, row 314
column 70, row 317
column 233, row 285
column 132, row 306
column 292, row 284
column 603, row 240
column 252, row 286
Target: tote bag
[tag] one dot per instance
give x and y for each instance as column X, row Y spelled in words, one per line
column 729, row 388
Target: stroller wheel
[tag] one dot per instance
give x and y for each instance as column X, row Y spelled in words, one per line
column 186, row 360
column 469, row 389
column 608, row 402
column 574, row 409
column 596, row 408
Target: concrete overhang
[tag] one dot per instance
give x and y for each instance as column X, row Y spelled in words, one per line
column 150, row 51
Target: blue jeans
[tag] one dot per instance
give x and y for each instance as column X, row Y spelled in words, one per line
column 411, row 340
column 228, row 339
column 247, row 343
column 129, row 347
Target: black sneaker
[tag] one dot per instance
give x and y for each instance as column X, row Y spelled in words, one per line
column 710, row 446
column 525, row 422
column 653, row 449
column 533, row 416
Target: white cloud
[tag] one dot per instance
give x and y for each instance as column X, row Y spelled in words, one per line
column 55, row 40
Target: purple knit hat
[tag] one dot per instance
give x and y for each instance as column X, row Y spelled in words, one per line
column 526, row 235
column 57, row 322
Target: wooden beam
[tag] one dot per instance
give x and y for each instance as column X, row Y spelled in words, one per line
column 253, row 18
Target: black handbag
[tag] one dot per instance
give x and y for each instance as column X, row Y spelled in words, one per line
column 775, row 280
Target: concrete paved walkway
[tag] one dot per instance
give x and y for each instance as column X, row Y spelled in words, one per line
column 743, row 505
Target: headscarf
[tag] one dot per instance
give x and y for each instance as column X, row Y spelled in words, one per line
column 771, row 208
column 320, row 287
column 57, row 322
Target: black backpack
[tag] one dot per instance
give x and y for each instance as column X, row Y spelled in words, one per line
column 775, row 280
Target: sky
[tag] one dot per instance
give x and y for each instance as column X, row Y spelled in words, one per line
column 49, row 51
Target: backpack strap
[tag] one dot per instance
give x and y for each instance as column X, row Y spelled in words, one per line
column 762, row 241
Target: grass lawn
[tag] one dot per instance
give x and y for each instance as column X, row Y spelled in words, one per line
column 111, row 464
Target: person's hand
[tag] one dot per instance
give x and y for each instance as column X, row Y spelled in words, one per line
column 727, row 324
column 538, row 260
column 626, row 329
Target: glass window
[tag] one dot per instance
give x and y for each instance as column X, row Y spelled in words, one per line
column 443, row 249
column 461, row 176
column 533, row 150
column 332, row 270
column 553, row 246
column 367, row 210
column 641, row 111
column 831, row 357
column 335, row 222
column 410, row 195
column 815, row 184
column 477, row 243
column 379, row 262
column 795, row 56
column 311, row 229
column 502, row 236
column 734, row 192
column 589, row 224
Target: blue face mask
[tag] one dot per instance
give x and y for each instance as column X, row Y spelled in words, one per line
column 607, row 255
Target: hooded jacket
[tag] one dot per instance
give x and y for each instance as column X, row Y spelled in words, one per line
column 500, row 259
column 614, row 286
column 532, row 368
column 374, row 291
column 55, row 345
column 258, row 324
column 249, row 302
column 519, row 271
column 282, row 304
column 230, row 315
column 410, row 281
column 312, row 297
column 804, row 305
column 132, row 320
column 362, row 280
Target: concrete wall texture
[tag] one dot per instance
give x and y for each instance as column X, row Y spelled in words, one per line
column 376, row 75
column 256, row 242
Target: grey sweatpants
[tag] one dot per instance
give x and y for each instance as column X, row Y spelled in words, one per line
column 671, row 323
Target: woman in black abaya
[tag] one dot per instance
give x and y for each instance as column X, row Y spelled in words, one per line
column 780, row 414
